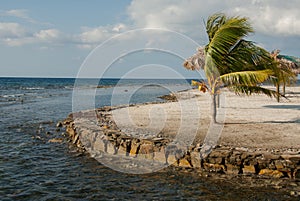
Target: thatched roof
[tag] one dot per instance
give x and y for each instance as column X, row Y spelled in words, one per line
column 285, row 61
column 197, row 61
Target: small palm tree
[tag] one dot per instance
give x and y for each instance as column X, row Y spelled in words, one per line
column 231, row 61
column 284, row 72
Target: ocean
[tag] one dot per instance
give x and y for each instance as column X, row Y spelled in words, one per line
column 32, row 168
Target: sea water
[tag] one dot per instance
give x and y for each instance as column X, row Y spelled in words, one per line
column 32, row 168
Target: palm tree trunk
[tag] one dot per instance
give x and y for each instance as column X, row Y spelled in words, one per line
column 278, row 91
column 283, row 88
column 214, row 107
column 218, row 101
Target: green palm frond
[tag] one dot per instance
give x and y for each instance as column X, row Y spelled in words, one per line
column 246, row 77
column 247, row 56
column 227, row 48
column 224, row 33
column 213, row 24
column 249, row 90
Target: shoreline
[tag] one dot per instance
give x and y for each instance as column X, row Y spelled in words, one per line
column 260, row 137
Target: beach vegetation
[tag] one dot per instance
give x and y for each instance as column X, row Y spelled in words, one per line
column 285, row 72
column 231, row 61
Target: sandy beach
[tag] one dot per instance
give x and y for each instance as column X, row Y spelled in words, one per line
column 256, row 136
column 255, row 121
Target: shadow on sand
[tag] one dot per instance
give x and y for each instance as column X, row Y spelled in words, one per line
column 296, row 121
column 292, row 107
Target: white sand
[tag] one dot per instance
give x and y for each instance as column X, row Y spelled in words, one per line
column 250, row 121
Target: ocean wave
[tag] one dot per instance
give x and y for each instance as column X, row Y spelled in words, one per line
column 33, row 88
column 12, row 95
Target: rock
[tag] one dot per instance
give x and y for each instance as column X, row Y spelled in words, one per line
column 216, row 160
column 170, row 97
column 134, row 149
column 214, row 167
column 249, row 169
column 268, row 156
column 294, row 158
column 271, row 173
column 56, row 140
column 159, row 155
column 146, row 151
column 295, row 193
column 233, row 169
column 76, row 138
column 105, row 127
column 220, row 154
column 59, row 124
column 297, row 173
column 279, row 164
column 184, row 163
column 195, row 159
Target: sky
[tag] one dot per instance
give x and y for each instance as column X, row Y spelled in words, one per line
column 70, row 38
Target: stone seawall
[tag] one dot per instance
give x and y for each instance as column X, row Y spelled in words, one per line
column 96, row 132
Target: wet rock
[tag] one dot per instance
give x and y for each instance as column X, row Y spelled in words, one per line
column 59, row 124
column 170, row 97
column 56, row 140
column 76, row 138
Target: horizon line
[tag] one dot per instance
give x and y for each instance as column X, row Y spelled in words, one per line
column 59, row 77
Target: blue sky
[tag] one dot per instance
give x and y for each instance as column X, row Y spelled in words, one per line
column 53, row 38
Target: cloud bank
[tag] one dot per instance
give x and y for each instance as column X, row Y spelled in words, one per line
column 272, row 18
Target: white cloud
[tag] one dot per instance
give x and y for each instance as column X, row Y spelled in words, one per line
column 90, row 37
column 273, row 17
column 18, row 41
column 48, row 35
column 171, row 14
column 21, row 14
column 85, row 46
column 13, row 34
column 270, row 17
column 119, row 28
column 12, row 30
column 93, row 35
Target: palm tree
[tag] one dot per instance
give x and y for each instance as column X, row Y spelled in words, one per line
column 285, row 72
column 231, row 61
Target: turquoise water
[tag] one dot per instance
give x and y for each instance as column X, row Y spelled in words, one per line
column 31, row 168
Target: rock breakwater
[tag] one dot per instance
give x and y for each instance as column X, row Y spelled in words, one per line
column 96, row 132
